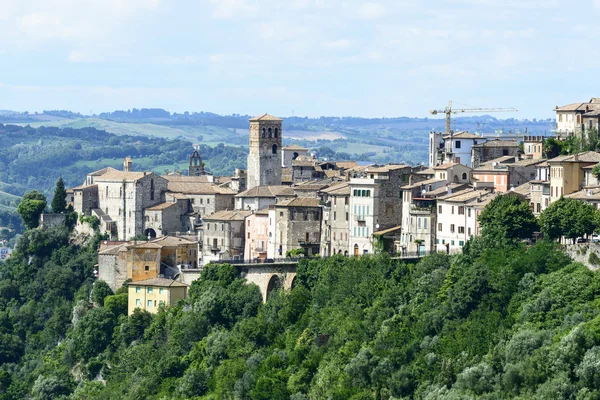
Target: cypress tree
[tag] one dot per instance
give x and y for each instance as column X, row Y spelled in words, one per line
column 59, row 202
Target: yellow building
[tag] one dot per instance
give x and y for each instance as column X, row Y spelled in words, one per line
column 151, row 294
column 567, row 173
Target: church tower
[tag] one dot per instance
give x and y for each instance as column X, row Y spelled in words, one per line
column 264, row 159
column 196, row 167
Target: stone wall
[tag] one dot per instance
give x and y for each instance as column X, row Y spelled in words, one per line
column 582, row 252
column 112, row 269
column 48, row 221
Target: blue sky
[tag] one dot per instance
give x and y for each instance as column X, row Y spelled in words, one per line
column 306, row 57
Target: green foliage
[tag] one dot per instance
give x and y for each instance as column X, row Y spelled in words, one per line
column 59, row 201
column 31, row 207
column 91, row 220
column 594, row 259
column 507, row 216
column 294, row 253
column 569, row 218
column 100, row 292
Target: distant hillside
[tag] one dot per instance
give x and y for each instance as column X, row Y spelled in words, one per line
column 382, row 140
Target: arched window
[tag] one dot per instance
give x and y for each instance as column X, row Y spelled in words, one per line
column 295, row 155
column 276, row 133
column 464, row 175
column 263, row 133
column 270, row 133
column 274, row 149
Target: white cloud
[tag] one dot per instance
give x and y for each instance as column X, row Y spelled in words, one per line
column 227, row 9
column 371, row 10
column 336, row 44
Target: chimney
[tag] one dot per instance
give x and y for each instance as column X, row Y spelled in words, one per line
column 127, row 164
column 576, row 156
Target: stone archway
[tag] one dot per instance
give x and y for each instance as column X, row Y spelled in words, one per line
column 275, row 284
column 151, row 233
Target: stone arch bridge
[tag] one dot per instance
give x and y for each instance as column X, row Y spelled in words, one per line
column 270, row 277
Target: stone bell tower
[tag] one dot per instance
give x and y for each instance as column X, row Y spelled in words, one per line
column 196, row 167
column 264, row 159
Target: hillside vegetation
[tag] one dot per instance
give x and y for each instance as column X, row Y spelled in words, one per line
column 501, row 321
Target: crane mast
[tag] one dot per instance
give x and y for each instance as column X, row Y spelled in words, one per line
column 448, row 110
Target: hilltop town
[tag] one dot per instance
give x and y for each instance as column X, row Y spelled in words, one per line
column 163, row 229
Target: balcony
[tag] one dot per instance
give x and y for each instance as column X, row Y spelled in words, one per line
column 360, row 218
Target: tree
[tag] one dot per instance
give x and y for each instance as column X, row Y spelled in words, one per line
column 569, row 218
column 31, row 207
column 507, row 216
column 100, row 292
column 59, row 202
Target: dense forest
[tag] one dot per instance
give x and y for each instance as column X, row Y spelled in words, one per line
column 503, row 320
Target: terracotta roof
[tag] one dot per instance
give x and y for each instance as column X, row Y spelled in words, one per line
column 176, row 195
column 189, row 179
column 330, row 173
column 587, row 156
column 130, row 176
column 445, row 166
column 586, row 194
column 338, row 189
column 84, row 187
column 161, row 206
column 427, row 171
column 464, row 195
column 160, row 282
column 304, row 163
column 498, row 143
column 463, row 135
column 267, row 191
column 102, row 171
column 421, row 183
column 145, row 245
column 265, row 117
column 172, row 241
column 299, row 202
column 346, row 164
column 228, row 215
column 112, row 250
column 198, row 188
column 569, row 107
column 524, row 189
column 293, row 147
column 387, row 168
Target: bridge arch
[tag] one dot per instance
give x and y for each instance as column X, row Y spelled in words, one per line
column 275, row 283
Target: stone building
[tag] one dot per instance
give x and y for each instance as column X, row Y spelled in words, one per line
column 257, row 235
column 260, row 197
column 576, row 118
column 118, row 199
column 375, row 204
column 306, row 168
column 290, row 153
column 492, row 149
column 205, row 198
column 533, row 146
column 152, row 294
column 505, row 173
column 294, row 224
column 264, row 158
column 223, row 236
column 336, row 219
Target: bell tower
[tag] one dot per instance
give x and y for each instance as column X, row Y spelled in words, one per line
column 196, row 167
column 264, row 158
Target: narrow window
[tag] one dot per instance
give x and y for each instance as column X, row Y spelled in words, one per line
column 274, row 149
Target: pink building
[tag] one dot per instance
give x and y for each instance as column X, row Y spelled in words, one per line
column 257, row 236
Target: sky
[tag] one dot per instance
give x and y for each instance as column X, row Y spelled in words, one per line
column 380, row 58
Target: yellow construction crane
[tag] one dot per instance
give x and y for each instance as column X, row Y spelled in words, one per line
column 449, row 110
